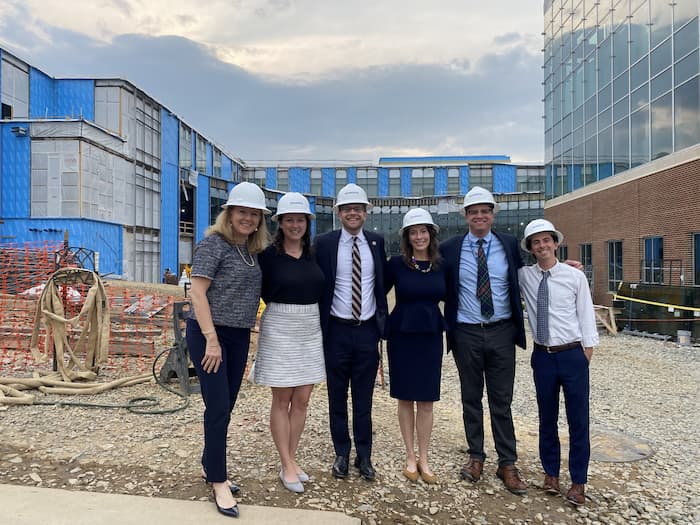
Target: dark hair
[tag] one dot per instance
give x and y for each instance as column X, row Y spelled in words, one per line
column 528, row 242
column 407, row 249
column 278, row 238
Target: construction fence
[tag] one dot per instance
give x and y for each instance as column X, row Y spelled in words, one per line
column 141, row 316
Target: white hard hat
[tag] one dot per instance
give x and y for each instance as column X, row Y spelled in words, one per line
column 479, row 195
column 247, row 195
column 351, row 194
column 293, row 202
column 539, row 226
column 417, row 216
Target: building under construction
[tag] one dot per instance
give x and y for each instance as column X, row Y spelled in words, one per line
column 129, row 179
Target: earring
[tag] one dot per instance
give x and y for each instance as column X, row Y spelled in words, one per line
column 256, row 229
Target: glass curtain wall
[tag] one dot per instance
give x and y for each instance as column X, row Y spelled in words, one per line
column 621, row 86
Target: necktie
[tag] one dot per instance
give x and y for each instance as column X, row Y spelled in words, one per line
column 483, row 283
column 356, row 281
column 543, row 310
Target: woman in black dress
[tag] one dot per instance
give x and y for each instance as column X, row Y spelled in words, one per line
column 415, row 336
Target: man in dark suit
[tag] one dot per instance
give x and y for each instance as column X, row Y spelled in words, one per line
column 484, row 323
column 353, row 311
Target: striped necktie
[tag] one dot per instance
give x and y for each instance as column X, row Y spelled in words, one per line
column 543, row 310
column 356, row 280
column 483, row 283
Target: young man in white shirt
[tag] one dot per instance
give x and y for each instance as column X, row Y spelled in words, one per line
column 562, row 321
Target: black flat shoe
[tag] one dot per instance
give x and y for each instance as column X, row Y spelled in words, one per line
column 230, row 512
column 235, row 489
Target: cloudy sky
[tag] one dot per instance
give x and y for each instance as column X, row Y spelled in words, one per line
column 310, row 79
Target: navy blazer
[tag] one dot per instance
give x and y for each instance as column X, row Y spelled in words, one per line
column 326, row 246
column 451, row 250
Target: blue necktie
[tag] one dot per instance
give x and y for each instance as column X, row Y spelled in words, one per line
column 543, row 310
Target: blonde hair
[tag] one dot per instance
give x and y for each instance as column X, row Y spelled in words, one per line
column 257, row 241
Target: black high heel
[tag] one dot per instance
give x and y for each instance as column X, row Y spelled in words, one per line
column 230, row 512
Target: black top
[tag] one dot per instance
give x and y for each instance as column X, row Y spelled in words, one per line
column 288, row 280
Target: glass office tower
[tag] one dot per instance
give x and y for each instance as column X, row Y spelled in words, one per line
column 621, row 86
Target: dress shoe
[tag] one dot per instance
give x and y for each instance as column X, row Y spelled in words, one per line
column 472, row 470
column 511, row 479
column 576, row 494
column 411, row 475
column 340, row 467
column 293, row 486
column 430, row 479
column 231, row 512
column 366, row 469
column 551, row 484
column 235, row 489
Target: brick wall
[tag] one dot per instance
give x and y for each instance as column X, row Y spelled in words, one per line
column 664, row 204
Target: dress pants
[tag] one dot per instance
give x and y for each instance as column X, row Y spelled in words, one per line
column 487, row 353
column 352, row 358
column 219, row 390
column 568, row 371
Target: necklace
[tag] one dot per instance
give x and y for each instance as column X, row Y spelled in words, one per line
column 252, row 261
column 417, row 266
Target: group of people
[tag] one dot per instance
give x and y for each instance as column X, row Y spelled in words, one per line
column 327, row 310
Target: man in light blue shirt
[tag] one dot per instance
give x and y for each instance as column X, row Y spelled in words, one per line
column 484, row 324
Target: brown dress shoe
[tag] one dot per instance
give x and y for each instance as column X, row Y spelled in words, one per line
column 472, row 470
column 576, row 494
column 551, row 484
column 511, row 479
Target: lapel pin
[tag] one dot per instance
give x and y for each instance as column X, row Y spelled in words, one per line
column 374, row 243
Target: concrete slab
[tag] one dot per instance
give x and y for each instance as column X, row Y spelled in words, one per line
column 21, row 505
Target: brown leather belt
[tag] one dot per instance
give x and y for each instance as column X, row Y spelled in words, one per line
column 558, row 348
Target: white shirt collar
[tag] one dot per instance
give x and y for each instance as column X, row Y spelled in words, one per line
column 346, row 236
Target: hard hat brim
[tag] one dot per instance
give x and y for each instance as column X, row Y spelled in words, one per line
column 523, row 241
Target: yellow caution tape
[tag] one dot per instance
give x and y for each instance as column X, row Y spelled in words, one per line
column 654, row 303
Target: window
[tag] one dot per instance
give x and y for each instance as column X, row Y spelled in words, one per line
column 394, row 183
column 316, row 182
column 218, row 195
column 696, row 254
column 453, row 181
column 614, row 265
column 653, row 262
column 217, row 162
column 282, row 180
column 6, row 112
column 563, row 252
column 367, row 178
column 586, row 258
column 185, row 147
column 201, row 158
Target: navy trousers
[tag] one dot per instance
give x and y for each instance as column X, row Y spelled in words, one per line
column 568, row 371
column 219, row 390
column 487, row 355
column 352, row 358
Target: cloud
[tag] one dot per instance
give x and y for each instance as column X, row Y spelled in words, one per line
column 484, row 105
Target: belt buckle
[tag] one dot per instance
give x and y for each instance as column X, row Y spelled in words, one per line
column 547, row 348
column 356, row 322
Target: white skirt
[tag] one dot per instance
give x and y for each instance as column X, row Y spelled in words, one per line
column 290, row 346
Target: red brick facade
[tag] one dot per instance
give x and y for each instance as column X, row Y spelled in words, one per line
column 661, row 204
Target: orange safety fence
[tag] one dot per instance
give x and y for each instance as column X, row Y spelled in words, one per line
column 140, row 314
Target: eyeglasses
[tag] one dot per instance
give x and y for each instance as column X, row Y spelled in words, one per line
column 479, row 211
column 352, row 209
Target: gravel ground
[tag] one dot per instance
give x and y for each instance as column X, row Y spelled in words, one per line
column 644, row 399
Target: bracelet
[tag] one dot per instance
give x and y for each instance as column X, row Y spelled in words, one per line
column 212, row 331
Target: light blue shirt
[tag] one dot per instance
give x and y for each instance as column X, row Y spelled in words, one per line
column 469, row 309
